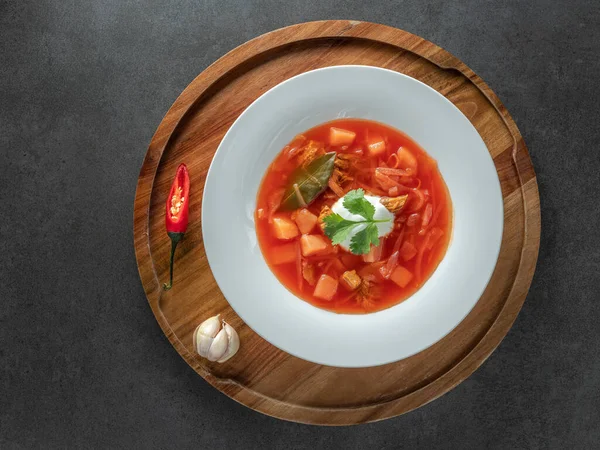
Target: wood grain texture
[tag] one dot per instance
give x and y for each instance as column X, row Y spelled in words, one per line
column 261, row 376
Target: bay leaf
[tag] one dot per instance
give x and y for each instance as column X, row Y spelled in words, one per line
column 311, row 180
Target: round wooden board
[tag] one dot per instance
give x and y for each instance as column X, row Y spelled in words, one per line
column 261, row 376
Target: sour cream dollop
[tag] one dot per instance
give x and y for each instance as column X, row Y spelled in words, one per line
column 381, row 213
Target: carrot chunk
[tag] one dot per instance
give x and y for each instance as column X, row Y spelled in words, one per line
column 284, row 254
column 339, row 137
column 284, row 228
column 305, row 220
column 326, row 287
column 312, row 244
column 401, row 276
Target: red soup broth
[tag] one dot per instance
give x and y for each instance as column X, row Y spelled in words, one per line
column 421, row 232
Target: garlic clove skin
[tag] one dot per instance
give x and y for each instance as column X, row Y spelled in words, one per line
column 218, row 346
column 205, row 334
column 233, row 344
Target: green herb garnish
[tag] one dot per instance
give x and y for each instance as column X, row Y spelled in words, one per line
column 338, row 229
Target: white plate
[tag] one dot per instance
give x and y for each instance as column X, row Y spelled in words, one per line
column 252, row 143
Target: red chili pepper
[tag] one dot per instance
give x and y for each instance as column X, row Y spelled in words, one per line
column 176, row 217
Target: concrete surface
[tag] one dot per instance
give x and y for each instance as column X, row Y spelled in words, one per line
column 83, row 363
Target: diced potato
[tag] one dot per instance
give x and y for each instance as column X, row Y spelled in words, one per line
column 406, row 160
column 284, row 228
column 408, row 251
column 350, row 280
column 312, row 244
column 339, row 137
column 284, row 254
column 305, row 220
column 326, row 287
column 374, row 254
column 375, row 145
column 401, row 276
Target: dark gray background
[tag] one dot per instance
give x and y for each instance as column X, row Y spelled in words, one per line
column 83, row 362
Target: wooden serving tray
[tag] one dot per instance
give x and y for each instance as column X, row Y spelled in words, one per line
column 261, row 376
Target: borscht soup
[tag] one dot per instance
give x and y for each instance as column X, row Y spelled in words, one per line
column 353, row 216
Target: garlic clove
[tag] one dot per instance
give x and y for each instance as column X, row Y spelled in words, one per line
column 205, row 334
column 233, row 342
column 218, row 346
column 210, row 327
column 203, row 344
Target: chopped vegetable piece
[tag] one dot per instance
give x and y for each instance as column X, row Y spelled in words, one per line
column 337, row 190
column 420, row 254
column 393, row 172
column 393, row 191
column 427, row 215
column 401, row 276
column 376, row 145
column 274, row 202
column 412, row 220
column 260, row 213
column 393, row 161
column 371, row 271
column 374, row 254
column 394, row 204
column 309, row 273
column 305, row 220
column 294, row 147
column 338, row 137
column 408, row 251
column 436, row 233
column 313, row 244
column 284, row 228
column 326, row 287
column 389, row 267
column 384, row 181
column 398, row 242
column 417, row 200
column 406, row 160
column 350, row 280
column 284, row 254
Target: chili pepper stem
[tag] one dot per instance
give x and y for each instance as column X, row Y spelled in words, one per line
column 175, row 238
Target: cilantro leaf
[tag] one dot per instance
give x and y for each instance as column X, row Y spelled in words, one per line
column 337, row 228
column 356, row 203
